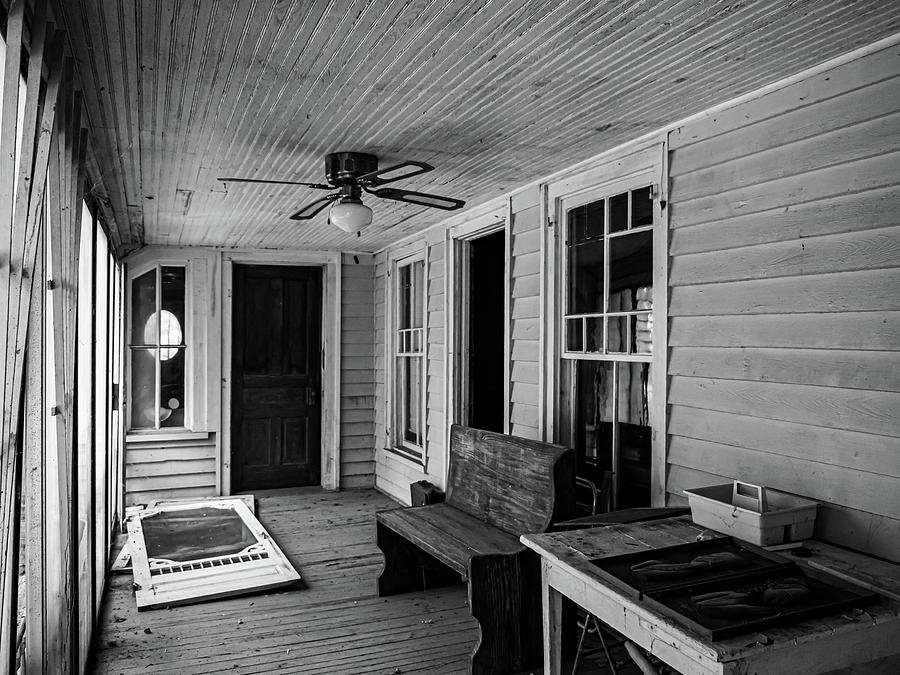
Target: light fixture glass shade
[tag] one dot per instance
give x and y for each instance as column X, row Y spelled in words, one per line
column 350, row 216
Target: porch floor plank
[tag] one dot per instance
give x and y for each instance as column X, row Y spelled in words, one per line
column 335, row 625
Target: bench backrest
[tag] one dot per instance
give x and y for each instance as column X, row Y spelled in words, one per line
column 512, row 483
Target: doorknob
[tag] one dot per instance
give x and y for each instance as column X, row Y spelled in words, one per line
column 311, row 397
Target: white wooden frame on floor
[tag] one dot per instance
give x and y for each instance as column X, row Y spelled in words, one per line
column 261, row 566
column 330, row 262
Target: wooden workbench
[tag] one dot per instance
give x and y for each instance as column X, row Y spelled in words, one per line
column 814, row 646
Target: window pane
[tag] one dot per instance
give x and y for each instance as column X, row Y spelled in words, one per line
column 412, row 385
column 143, row 306
column 617, row 341
column 586, row 222
column 634, row 434
column 641, row 207
column 172, row 298
column 404, row 292
column 418, row 291
column 143, row 388
column 618, row 212
column 594, row 327
column 574, row 335
column 593, row 417
column 631, row 267
column 171, row 399
column 643, row 333
column 586, row 278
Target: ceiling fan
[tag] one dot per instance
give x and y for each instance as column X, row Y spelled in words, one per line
column 351, row 173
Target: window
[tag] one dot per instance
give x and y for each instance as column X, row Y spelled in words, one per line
column 607, row 338
column 157, row 348
column 408, row 434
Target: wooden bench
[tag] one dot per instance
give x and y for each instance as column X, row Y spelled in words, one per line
column 499, row 488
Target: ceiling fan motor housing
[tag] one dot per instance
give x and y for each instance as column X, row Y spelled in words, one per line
column 343, row 168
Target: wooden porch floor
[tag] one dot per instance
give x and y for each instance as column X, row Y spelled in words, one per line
column 335, row 625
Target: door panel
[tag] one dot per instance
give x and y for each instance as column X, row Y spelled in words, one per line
column 276, row 414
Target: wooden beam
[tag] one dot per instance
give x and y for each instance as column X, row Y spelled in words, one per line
column 34, row 466
column 8, row 459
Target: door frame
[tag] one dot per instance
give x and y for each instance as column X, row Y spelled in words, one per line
column 457, row 242
column 330, row 263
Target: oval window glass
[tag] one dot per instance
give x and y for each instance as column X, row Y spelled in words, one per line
column 169, row 332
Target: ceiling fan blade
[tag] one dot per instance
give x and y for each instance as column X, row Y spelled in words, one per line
column 313, row 208
column 420, row 198
column 396, row 172
column 317, row 186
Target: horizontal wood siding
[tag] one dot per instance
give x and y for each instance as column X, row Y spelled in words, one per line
column 357, row 371
column 784, row 277
column 525, row 318
column 169, row 469
column 435, row 427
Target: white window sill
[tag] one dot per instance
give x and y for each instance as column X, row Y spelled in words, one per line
column 175, row 434
column 406, row 457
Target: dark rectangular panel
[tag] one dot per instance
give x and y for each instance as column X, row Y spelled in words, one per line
column 255, row 439
column 296, row 322
column 296, row 442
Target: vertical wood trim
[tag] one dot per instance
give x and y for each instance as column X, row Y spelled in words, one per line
column 450, row 342
column 33, row 467
column 331, row 452
column 507, row 316
column 548, row 368
column 658, row 406
column 223, row 473
column 426, row 341
column 56, row 564
column 8, row 132
column 8, row 442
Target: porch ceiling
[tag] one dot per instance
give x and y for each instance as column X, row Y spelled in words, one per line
column 494, row 93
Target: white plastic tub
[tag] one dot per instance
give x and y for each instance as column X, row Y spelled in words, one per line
column 753, row 513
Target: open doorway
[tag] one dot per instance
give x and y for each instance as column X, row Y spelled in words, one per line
column 483, row 332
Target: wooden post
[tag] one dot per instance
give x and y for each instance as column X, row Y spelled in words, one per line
column 33, row 463
column 10, row 105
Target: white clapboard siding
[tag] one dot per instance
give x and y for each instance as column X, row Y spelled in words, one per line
column 525, row 322
column 169, row 469
column 784, row 326
column 435, row 429
column 357, row 371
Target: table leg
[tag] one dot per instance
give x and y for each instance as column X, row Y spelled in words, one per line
column 551, row 602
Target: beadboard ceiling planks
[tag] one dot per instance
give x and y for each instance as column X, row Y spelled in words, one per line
column 493, row 93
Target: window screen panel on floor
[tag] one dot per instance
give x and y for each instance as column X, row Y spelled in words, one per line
column 190, row 552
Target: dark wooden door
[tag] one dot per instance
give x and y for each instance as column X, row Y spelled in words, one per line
column 276, row 376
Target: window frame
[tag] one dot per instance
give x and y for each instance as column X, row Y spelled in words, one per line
column 630, row 167
column 126, row 391
column 397, row 443
column 605, row 193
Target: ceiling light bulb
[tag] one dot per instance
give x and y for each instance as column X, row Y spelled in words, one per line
column 350, row 214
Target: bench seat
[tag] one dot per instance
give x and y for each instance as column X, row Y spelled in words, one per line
column 499, row 488
column 450, row 535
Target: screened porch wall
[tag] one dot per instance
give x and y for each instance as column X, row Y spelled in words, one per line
column 784, row 310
